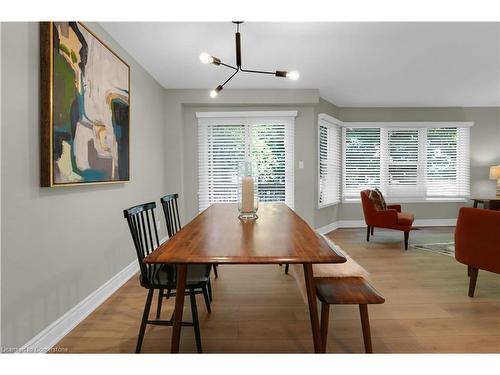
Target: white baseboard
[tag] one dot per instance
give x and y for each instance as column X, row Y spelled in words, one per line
column 328, row 228
column 361, row 224
column 51, row 335
column 435, row 223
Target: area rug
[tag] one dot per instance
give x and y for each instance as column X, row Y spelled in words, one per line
column 446, row 248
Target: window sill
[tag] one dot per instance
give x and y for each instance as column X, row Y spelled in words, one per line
column 413, row 200
column 320, row 206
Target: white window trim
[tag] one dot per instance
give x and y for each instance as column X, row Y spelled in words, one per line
column 330, row 121
column 403, row 125
column 410, row 124
column 246, row 114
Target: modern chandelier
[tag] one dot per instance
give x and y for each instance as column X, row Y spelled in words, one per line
column 208, row 59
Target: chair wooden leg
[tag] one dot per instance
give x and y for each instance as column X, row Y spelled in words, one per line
column 368, row 233
column 209, row 288
column 468, row 271
column 372, row 228
column 167, row 296
column 287, row 267
column 160, row 300
column 145, row 316
column 207, row 298
column 407, row 235
column 216, row 272
column 472, row 281
column 325, row 312
column 196, row 323
column 365, row 325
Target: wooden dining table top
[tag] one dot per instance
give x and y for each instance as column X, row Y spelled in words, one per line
column 217, row 235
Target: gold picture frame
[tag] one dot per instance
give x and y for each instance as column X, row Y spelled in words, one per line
column 80, row 145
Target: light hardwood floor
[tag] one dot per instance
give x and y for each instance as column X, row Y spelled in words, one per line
column 259, row 308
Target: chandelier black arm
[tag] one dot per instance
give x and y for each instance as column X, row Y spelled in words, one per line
column 257, row 71
column 232, row 75
column 228, row 66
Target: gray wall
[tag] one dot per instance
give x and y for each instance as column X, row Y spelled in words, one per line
column 485, row 151
column 60, row 244
column 181, row 139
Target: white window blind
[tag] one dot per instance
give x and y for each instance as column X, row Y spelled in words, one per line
column 448, row 168
column 225, row 141
column 361, row 160
column 420, row 163
column 329, row 163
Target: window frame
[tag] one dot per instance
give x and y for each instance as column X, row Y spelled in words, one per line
column 248, row 119
column 406, row 126
column 329, row 121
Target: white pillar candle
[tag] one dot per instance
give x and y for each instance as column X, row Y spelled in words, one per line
column 247, row 198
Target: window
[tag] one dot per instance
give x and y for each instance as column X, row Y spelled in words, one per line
column 361, row 160
column 329, row 171
column 415, row 161
column 226, row 138
column 447, row 162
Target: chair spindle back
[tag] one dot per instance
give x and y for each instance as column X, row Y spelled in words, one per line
column 142, row 223
column 171, row 211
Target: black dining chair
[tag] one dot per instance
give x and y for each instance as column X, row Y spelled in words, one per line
column 142, row 224
column 171, row 211
column 287, row 266
column 172, row 219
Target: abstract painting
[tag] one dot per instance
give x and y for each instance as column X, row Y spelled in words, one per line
column 85, row 108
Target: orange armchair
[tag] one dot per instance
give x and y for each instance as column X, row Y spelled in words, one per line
column 476, row 242
column 391, row 218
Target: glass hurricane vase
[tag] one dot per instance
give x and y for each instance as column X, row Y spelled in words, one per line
column 248, row 200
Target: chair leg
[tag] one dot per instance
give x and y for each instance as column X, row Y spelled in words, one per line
column 216, row 271
column 145, row 316
column 160, row 299
column 196, row 323
column 407, row 235
column 468, row 271
column 207, row 298
column 209, row 288
column 325, row 311
column 472, row 281
column 167, row 296
column 368, row 233
column 372, row 229
column 287, row 267
column 365, row 325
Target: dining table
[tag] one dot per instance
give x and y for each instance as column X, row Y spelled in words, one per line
column 218, row 236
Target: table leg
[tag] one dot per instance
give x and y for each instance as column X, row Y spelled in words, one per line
column 313, row 307
column 179, row 307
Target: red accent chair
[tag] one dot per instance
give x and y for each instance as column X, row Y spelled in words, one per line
column 477, row 243
column 391, row 218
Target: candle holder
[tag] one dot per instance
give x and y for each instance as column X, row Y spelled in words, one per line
column 248, row 190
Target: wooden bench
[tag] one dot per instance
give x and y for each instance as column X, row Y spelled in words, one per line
column 346, row 290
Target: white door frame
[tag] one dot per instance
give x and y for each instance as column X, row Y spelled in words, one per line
column 0, row 187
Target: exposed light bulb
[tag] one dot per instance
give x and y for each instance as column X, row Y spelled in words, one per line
column 214, row 93
column 205, row 58
column 293, row 75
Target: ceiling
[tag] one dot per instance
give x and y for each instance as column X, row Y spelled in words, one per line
column 352, row 64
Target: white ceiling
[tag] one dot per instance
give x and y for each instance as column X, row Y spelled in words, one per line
column 352, row 64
